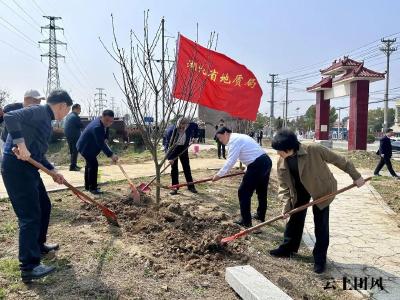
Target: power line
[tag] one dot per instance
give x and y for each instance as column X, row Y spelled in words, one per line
column 29, row 16
column 329, row 60
column 38, row 7
column 21, row 34
column 21, row 17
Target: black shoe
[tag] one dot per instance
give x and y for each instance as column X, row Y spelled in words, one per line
column 192, row 189
column 173, row 192
column 377, row 174
column 319, row 268
column 46, row 248
column 256, row 217
column 279, row 252
column 39, row 271
column 96, row 192
column 76, row 168
column 243, row 224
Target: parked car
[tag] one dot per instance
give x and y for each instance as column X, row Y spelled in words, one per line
column 396, row 146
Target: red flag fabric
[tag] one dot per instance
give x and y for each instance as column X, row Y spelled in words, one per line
column 214, row 80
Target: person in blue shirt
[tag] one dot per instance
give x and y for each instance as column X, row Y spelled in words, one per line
column 72, row 130
column 29, row 129
column 177, row 141
column 91, row 143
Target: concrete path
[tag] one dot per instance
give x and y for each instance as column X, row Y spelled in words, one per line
column 364, row 240
column 112, row 172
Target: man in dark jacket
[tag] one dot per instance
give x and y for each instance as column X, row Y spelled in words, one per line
column 29, row 130
column 385, row 152
column 72, row 130
column 31, row 97
column 177, row 142
column 90, row 143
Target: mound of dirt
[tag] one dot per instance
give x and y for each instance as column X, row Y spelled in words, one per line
column 180, row 233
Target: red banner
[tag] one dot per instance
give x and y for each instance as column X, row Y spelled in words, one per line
column 214, row 80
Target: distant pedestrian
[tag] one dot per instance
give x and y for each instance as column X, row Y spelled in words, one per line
column 385, row 152
column 72, row 130
column 220, row 146
column 260, row 135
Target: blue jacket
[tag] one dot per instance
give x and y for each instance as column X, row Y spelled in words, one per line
column 31, row 125
column 72, row 126
column 8, row 108
column 385, row 147
column 171, row 137
column 92, row 140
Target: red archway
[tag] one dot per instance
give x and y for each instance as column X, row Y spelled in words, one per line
column 343, row 78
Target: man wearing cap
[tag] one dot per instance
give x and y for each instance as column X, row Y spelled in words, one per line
column 91, row 143
column 29, row 131
column 256, row 178
column 177, row 143
column 31, row 97
column 72, row 130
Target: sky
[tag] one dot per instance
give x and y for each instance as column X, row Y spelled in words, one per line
column 293, row 39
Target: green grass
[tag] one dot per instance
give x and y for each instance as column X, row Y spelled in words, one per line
column 106, row 254
column 2, row 294
column 8, row 229
column 9, row 269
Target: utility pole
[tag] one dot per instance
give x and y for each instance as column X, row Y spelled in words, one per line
column 99, row 102
column 272, row 82
column 53, row 79
column 387, row 49
column 112, row 104
column 286, row 102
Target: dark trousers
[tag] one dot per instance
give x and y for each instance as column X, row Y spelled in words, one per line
column 295, row 226
column 184, row 158
column 385, row 161
column 91, row 169
column 32, row 206
column 73, row 151
column 259, row 140
column 221, row 149
column 256, row 179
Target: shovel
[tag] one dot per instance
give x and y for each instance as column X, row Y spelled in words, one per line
column 291, row 212
column 134, row 192
column 109, row 214
column 176, row 186
column 145, row 187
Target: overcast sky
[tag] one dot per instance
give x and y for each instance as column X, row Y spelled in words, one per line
column 291, row 38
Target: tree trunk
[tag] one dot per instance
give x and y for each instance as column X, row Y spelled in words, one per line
column 158, row 180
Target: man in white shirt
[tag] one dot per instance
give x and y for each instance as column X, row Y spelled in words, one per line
column 256, row 178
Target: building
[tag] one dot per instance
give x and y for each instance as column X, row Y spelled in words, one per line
column 396, row 126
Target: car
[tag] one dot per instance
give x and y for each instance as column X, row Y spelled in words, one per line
column 396, row 146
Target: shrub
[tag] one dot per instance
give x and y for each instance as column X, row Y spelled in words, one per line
column 370, row 138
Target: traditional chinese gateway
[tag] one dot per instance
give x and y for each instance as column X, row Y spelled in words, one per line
column 345, row 77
